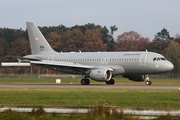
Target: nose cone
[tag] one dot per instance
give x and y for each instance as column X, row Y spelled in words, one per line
column 169, row 66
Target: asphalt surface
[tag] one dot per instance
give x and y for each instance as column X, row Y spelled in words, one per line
column 92, row 86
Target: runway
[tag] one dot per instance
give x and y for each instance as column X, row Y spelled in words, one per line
column 92, row 86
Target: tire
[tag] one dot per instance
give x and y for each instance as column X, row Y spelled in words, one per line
column 83, row 82
column 148, row 82
column 110, row 82
column 87, row 81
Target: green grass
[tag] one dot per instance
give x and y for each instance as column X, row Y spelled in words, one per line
column 79, row 97
column 61, row 97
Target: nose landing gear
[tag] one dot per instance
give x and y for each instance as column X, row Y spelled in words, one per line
column 147, row 80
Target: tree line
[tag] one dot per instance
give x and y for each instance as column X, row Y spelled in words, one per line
column 86, row 38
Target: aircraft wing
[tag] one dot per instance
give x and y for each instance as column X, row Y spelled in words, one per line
column 68, row 67
column 57, row 63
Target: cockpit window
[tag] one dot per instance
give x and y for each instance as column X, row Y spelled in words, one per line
column 158, row 59
column 163, row 58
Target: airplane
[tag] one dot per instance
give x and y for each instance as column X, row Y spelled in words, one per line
column 98, row 66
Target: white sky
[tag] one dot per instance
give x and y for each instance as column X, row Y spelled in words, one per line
column 147, row 17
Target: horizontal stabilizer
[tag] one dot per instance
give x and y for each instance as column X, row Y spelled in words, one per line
column 11, row 64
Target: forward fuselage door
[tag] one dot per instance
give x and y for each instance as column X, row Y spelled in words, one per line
column 143, row 59
column 50, row 57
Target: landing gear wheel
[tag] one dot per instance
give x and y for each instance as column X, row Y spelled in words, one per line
column 148, row 82
column 110, row 82
column 85, row 82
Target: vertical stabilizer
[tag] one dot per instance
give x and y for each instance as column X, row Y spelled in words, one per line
column 37, row 41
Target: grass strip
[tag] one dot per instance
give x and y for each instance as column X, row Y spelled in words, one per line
column 63, row 97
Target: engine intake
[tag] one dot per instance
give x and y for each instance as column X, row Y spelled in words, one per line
column 101, row 74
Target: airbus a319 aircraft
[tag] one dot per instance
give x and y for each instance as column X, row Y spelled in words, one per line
column 99, row 66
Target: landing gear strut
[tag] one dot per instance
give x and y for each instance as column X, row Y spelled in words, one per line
column 147, row 81
column 85, row 81
column 110, row 82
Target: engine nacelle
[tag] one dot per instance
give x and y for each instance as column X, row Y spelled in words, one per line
column 137, row 78
column 101, row 74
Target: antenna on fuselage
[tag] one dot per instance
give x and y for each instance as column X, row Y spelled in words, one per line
column 146, row 50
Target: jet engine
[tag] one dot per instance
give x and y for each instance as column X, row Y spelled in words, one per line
column 101, row 74
column 137, row 78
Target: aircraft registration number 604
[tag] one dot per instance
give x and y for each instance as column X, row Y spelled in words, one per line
column 104, row 60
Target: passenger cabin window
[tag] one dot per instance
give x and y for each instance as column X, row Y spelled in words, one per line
column 158, row 59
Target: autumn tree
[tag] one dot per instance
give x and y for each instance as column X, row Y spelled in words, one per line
column 19, row 47
column 107, row 36
column 72, row 40
column 94, row 41
column 54, row 40
column 131, row 41
column 3, row 46
column 173, row 55
column 177, row 38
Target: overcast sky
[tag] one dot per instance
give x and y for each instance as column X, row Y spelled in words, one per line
column 147, row 17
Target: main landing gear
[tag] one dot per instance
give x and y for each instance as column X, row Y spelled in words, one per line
column 110, row 82
column 147, row 80
column 85, row 81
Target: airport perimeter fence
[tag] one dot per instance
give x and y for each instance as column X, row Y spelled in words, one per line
column 164, row 75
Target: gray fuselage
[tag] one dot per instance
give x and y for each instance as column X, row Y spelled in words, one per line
column 120, row 62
